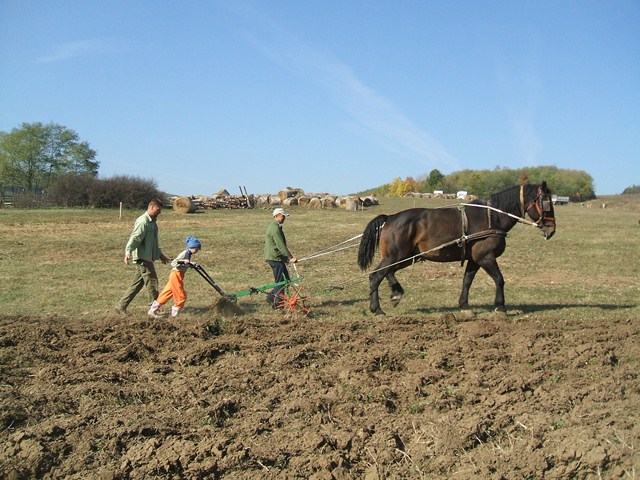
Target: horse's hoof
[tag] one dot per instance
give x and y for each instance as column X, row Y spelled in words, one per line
column 500, row 314
column 379, row 312
column 395, row 301
column 466, row 314
column 449, row 319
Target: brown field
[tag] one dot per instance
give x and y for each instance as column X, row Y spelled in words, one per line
column 553, row 391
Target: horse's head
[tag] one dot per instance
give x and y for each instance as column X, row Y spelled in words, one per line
column 540, row 210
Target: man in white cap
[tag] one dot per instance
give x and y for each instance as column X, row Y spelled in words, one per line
column 276, row 254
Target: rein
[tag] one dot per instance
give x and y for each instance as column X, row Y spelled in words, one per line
column 519, row 219
column 333, row 249
column 523, row 210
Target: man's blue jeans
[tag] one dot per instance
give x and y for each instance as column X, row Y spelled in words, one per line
column 280, row 273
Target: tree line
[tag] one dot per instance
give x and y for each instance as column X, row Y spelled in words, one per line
column 576, row 184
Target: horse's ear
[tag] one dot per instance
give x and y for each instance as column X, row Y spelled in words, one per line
column 543, row 186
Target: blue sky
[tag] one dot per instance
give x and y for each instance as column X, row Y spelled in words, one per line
column 330, row 96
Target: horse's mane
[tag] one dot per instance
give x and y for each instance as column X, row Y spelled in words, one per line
column 509, row 199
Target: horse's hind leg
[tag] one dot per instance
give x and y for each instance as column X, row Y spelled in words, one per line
column 396, row 289
column 375, row 278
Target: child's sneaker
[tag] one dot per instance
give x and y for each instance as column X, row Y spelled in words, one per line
column 153, row 311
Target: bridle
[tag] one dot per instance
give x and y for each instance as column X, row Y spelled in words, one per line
column 542, row 203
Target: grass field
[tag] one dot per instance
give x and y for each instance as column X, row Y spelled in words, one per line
column 69, row 262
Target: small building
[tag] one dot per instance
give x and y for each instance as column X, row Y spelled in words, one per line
column 462, row 194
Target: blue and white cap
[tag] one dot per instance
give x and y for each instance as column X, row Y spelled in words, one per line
column 193, row 242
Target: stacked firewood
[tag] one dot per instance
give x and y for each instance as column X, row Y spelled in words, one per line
column 231, row 201
column 222, row 199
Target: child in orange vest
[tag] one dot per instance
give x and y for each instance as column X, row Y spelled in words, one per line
column 175, row 286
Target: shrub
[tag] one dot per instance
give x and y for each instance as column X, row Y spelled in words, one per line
column 133, row 192
column 71, row 190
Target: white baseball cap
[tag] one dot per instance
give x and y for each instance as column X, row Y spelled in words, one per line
column 280, row 211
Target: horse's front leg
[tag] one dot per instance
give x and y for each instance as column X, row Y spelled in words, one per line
column 396, row 289
column 469, row 275
column 491, row 267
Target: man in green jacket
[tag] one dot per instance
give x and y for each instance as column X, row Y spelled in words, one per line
column 143, row 249
column 276, row 254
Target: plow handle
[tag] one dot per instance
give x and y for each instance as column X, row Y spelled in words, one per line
column 207, row 278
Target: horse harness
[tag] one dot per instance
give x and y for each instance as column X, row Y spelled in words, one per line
column 465, row 238
column 542, row 207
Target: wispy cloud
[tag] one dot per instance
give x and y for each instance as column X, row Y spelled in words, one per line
column 377, row 116
column 521, row 89
column 80, row 48
column 525, row 135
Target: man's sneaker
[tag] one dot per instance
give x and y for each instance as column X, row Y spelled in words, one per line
column 120, row 310
column 153, row 314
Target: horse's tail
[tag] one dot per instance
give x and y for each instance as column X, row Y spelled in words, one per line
column 369, row 241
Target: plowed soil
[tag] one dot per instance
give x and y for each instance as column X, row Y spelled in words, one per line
column 383, row 397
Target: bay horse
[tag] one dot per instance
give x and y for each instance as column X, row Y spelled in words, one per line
column 474, row 232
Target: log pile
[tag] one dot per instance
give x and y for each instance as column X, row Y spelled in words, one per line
column 288, row 197
column 211, row 202
column 231, row 201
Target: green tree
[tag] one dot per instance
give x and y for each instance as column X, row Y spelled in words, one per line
column 34, row 154
column 432, row 182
